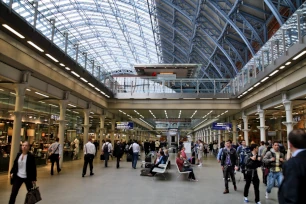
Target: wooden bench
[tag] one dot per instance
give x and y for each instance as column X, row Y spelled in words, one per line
column 181, row 172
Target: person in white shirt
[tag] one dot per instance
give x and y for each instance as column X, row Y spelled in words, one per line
column 106, row 150
column 89, row 154
column 76, row 147
column 55, row 150
column 200, row 153
column 23, row 171
column 135, row 147
column 157, row 144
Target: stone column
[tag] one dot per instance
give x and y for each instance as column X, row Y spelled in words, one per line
column 112, row 136
column 206, row 135
column 262, row 126
column 210, row 135
column 15, row 144
column 245, row 128
column 101, row 130
column 86, row 125
column 215, row 135
column 226, row 137
column 289, row 120
column 61, row 126
column 219, row 138
column 234, row 124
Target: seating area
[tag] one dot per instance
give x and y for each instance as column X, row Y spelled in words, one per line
column 161, row 169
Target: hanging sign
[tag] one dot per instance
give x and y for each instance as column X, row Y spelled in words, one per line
column 124, row 125
column 222, row 126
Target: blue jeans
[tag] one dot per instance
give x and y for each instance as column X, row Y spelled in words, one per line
column 135, row 158
column 271, row 180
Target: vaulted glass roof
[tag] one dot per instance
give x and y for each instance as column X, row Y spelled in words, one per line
column 117, row 34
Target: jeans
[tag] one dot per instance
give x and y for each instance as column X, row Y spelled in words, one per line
column 191, row 174
column 271, row 180
column 135, row 158
column 106, row 157
column 229, row 171
column 88, row 159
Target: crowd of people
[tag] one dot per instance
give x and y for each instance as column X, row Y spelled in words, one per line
column 289, row 175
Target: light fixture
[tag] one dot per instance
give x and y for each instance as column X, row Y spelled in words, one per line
column 274, row 72
column 222, row 98
column 53, row 105
column 1, row 90
column 84, row 79
column 288, row 63
column 264, row 79
column 67, row 68
column 35, row 46
column 71, row 105
column 75, row 74
column 12, row 93
column 251, row 88
column 206, row 98
column 257, row 84
column 13, row 31
column 42, row 94
column 97, row 89
column 282, row 67
column 299, row 55
column 90, row 84
column 51, row 57
column 41, row 102
column 62, row 64
column 188, row 98
column 28, row 89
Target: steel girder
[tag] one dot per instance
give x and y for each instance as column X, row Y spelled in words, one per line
column 275, row 12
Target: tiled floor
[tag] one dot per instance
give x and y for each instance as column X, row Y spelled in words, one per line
column 126, row 186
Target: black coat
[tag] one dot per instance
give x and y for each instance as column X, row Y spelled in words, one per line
column 293, row 187
column 233, row 157
column 118, row 150
column 30, row 167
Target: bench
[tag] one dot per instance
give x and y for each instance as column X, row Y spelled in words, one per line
column 161, row 169
column 181, row 172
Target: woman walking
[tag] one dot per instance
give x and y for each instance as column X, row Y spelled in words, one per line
column 23, row 171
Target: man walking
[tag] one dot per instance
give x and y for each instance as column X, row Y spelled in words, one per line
column 252, row 163
column 55, row 150
column 229, row 163
column 89, row 154
column 135, row 148
column 274, row 160
column 242, row 152
column 293, row 187
column 107, row 148
column 118, row 152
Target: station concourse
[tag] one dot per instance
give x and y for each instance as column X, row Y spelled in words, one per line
column 147, row 70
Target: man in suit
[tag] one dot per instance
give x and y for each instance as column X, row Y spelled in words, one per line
column 293, row 187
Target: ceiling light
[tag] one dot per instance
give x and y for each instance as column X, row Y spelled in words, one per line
column 251, row 88
column 282, row 67
column 13, row 31
column 264, row 79
column 42, row 94
column 84, row 79
column 188, row 98
column 51, row 57
column 222, row 98
column 35, row 46
column 90, row 84
column 62, row 64
column 71, row 105
column 53, row 105
column 274, row 72
column 1, row 90
column 41, row 102
column 67, row 68
column 97, row 89
column 257, row 84
column 75, row 74
column 28, row 89
column 299, row 55
column 206, row 98
column 12, row 93
column 288, row 63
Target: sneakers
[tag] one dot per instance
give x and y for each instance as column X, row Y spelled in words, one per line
column 199, row 165
column 258, row 202
column 267, row 195
column 246, row 200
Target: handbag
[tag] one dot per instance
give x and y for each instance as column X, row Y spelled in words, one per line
column 186, row 164
column 33, row 196
column 102, row 157
column 50, row 154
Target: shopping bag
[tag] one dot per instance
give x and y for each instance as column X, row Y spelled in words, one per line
column 102, row 157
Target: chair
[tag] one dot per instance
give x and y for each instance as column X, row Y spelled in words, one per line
column 181, row 172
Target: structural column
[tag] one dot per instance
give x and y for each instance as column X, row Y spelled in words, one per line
column 219, row 138
column 112, row 136
column 215, row 135
column 289, row 120
column 101, row 130
column 245, row 119
column 86, row 125
column 262, row 126
column 210, row 135
column 234, row 124
column 15, row 144
column 226, row 137
column 61, row 126
column 206, row 135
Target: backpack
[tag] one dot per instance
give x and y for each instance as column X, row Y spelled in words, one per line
column 105, row 148
column 269, row 164
column 242, row 155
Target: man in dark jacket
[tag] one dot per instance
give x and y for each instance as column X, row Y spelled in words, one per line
column 252, row 162
column 293, row 187
column 229, row 163
column 118, row 152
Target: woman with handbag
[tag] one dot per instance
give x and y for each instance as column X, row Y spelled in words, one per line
column 184, row 165
column 23, row 171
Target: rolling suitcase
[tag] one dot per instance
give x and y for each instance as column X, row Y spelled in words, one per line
column 129, row 157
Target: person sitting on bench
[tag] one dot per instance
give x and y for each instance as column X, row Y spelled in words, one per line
column 162, row 160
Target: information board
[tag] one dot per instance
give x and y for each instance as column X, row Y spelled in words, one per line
column 124, row 125
column 221, row 126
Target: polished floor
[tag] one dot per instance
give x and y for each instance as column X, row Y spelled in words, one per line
column 125, row 185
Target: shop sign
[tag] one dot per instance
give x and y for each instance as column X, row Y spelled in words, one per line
column 297, row 118
column 124, row 125
column 272, row 133
column 222, row 126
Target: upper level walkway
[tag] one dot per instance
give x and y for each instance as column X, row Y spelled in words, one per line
column 125, row 185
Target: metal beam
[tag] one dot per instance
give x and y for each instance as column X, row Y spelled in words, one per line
column 275, row 12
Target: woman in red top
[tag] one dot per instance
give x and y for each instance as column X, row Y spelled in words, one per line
column 180, row 163
column 183, row 153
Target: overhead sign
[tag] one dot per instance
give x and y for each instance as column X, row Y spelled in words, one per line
column 124, row 125
column 221, row 126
